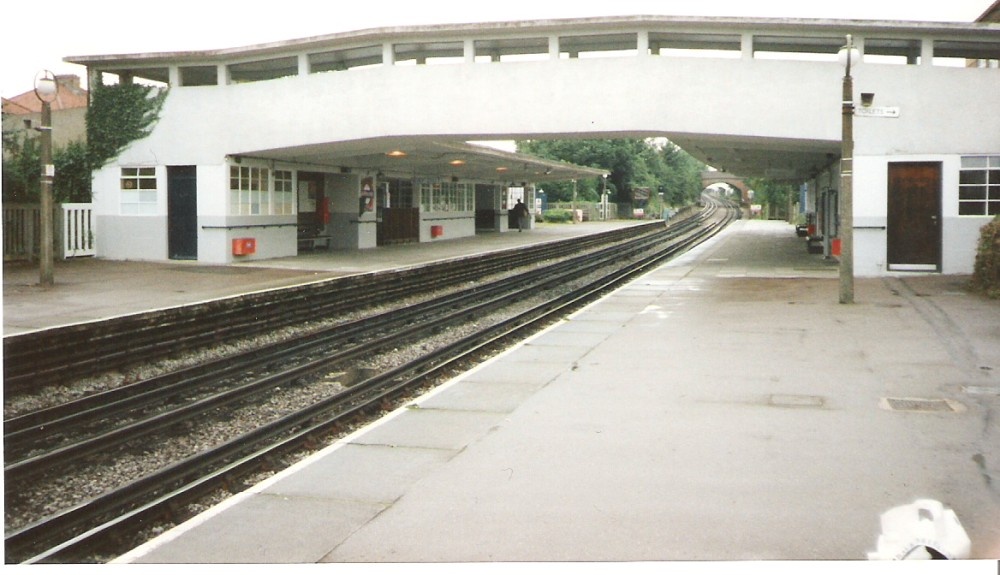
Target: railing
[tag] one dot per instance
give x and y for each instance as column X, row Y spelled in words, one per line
column 74, row 231
column 78, row 230
column 21, row 235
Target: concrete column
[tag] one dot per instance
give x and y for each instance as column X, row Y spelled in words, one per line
column 223, row 75
column 94, row 78
column 303, row 64
column 642, row 43
column 174, row 76
column 927, row 52
column 388, row 55
column 746, row 46
column 554, row 47
column 469, row 51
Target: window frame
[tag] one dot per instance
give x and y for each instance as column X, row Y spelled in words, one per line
column 283, row 201
column 249, row 190
column 979, row 186
column 139, row 191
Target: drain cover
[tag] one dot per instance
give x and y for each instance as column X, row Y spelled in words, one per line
column 923, row 405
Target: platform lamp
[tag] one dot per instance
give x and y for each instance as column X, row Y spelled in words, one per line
column 46, row 88
column 849, row 55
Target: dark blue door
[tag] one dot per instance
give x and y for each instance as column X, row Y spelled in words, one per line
column 182, row 212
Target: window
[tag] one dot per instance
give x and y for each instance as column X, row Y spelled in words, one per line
column 248, row 191
column 447, row 197
column 979, row 186
column 284, row 197
column 138, row 191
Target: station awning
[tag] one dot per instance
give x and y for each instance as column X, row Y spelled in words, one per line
column 426, row 157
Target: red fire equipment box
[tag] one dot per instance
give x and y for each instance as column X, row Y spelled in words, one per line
column 437, row 231
column 244, row 246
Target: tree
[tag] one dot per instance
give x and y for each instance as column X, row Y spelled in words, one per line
column 21, row 168
column 72, row 181
column 682, row 178
column 633, row 163
column 776, row 195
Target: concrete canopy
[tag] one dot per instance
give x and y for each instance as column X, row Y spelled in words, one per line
column 425, row 156
column 777, row 159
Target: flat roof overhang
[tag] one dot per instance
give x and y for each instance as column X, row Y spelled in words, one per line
column 427, row 157
column 778, row 159
column 520, row 28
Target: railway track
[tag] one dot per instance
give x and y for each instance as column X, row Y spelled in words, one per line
column 117, row 343
column 60, row 439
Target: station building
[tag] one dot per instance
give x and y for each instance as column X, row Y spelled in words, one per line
column 358, row 139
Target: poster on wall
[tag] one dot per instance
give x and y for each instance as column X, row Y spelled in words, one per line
column 367, row 195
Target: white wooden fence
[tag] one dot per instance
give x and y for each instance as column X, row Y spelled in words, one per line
column 78, row 230
column 73, row 231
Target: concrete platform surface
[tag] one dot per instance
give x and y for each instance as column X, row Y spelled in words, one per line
column 723, row 407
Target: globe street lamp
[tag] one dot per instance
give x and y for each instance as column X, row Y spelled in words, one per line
column 46, row 88
column 847, row 56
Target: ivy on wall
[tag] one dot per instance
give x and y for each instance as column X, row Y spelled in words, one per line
column 120, row 114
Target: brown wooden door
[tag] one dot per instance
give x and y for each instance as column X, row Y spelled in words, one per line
column 914, row 216
column 399, row 225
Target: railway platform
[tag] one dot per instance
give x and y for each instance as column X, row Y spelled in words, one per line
column 723, row 407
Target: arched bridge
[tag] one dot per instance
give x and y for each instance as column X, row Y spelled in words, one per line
column 711, row 177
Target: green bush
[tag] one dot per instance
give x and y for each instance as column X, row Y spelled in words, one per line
column 558, row 216
column 986, row 274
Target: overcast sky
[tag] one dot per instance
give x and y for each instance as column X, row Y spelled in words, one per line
column 38, row 35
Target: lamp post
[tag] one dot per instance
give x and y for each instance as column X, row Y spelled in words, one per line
column 46, row 89
column 847, row 56
column 573, row 205
column 604, row 196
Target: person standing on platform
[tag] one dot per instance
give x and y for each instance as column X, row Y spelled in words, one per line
column 521, row 214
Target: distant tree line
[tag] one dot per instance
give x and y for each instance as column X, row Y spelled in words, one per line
column 776, row 195
column 635, row 164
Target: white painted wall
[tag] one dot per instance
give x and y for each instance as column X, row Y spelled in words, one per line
column 944, row 113
column 453, row 225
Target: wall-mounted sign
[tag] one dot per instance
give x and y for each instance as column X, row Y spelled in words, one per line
column 368, row 195
column 877, row 111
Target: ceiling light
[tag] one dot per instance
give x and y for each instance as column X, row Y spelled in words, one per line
column 396, row 154
column 457, row 162
column 501, row 169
